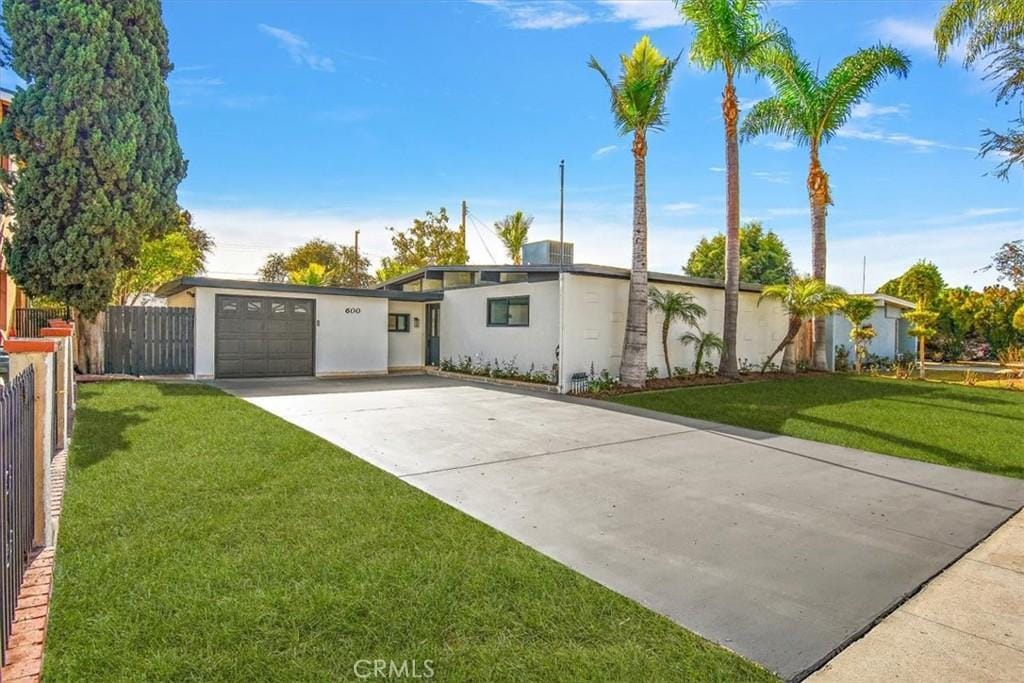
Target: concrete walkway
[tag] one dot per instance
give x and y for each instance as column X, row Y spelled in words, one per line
column 966, row 625
column 780, row 549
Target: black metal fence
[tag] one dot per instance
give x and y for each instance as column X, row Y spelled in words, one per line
column 17, row 491
column 28, row 321
column 147, row 340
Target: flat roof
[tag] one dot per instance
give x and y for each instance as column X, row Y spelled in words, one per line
column 575, row 269
column 182, row 284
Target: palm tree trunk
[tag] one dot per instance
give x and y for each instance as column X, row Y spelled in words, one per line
column 90, row 344
column 730, row 114
column 818, row 192
column 856, row 357
column 664, row 345
column 785, row 346
column 633, row 368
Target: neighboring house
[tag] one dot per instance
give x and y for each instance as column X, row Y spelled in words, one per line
column 11, row 297
column 526, row 314
column 891, row 336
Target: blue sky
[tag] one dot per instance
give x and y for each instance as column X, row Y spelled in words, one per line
column 304, row 119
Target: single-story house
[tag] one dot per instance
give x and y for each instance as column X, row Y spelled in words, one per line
column 892, row 338
column 531, row 315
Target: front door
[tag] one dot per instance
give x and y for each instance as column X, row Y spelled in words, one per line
column 433, row 334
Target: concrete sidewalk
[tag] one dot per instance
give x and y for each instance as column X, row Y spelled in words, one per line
column 966, row 625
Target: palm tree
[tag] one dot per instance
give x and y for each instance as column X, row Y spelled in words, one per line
column 802, row 298
column 704, row 343
column 512, row 231
column 811, row 110
column 638, row 106
column 674, row 306
column 989, row 25
column 857, row 309
column 731, row 35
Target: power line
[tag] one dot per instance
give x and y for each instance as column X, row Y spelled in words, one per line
column 476, row 223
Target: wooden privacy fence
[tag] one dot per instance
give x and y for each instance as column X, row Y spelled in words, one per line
column 147, row 340
column 17, row 492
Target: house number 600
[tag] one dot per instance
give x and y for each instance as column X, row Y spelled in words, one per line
column 353, row 310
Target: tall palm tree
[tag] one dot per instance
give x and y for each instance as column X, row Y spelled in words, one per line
column 811, row 110
column 731, row 35
column 638, row 106
column 987, row 25
column 802, row 298
column 674, row 306
column 513, row 230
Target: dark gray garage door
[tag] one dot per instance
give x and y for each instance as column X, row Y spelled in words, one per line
column 263, row 336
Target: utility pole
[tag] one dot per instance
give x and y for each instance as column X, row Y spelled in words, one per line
column 357, row 246
column 864, row 277
column 462, row 225
column 561, row 215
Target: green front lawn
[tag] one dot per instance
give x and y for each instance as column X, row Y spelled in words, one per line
column 204, row 539
column 968, row 427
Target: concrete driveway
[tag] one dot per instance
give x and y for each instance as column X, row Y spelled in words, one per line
column 780, row 549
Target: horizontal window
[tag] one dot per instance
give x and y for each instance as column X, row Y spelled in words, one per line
column 509, row 312
column 398, row 322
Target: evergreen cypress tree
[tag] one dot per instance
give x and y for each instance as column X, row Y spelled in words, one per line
column 98, row 157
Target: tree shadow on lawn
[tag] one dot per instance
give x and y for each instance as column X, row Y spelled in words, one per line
column 101, row 433
column 938, row 454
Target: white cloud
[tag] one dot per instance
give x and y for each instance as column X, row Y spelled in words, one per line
column 298, row 48
column 602, row 151
column 916, row 143
column 717, row 169
column 866, row 110
column 554, row 15
column 644, row 14
column 913, row 35
column 780, row 177
column 681, row 207
column 201, row 82
column 777, row 145
column 562, row 14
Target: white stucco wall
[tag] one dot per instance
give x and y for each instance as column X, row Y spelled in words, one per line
column 595, row 324
column 464, row 329
column 407, row 349
column 351, row 332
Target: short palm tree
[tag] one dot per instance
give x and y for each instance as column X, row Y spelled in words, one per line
column 802, row 298
column 704, row 343
column 674, row 306
column 513, row 231
column 638, row 107
column 731, row 35
column 313, row 275
column 857, row 309
column 811, row 110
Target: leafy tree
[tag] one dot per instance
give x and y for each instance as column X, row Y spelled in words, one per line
column 811, row 110
column 704, row 343
column 992, row 312
column 99, row 161
column 342, row 266
column 201, row 241
column 674, row 306
column 802, row 298
column 161, row 260
column 1018, row 320
column 922, row 284
column 1008, row 263
column 857, row 309
column 513, row 231
column 730, row 35
column 429, row 242
column 764, row 258
column 994, row 32
column 638, row 107
column 313, row 275
column 955, row 321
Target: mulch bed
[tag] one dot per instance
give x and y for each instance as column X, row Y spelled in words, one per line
column 663, row 383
